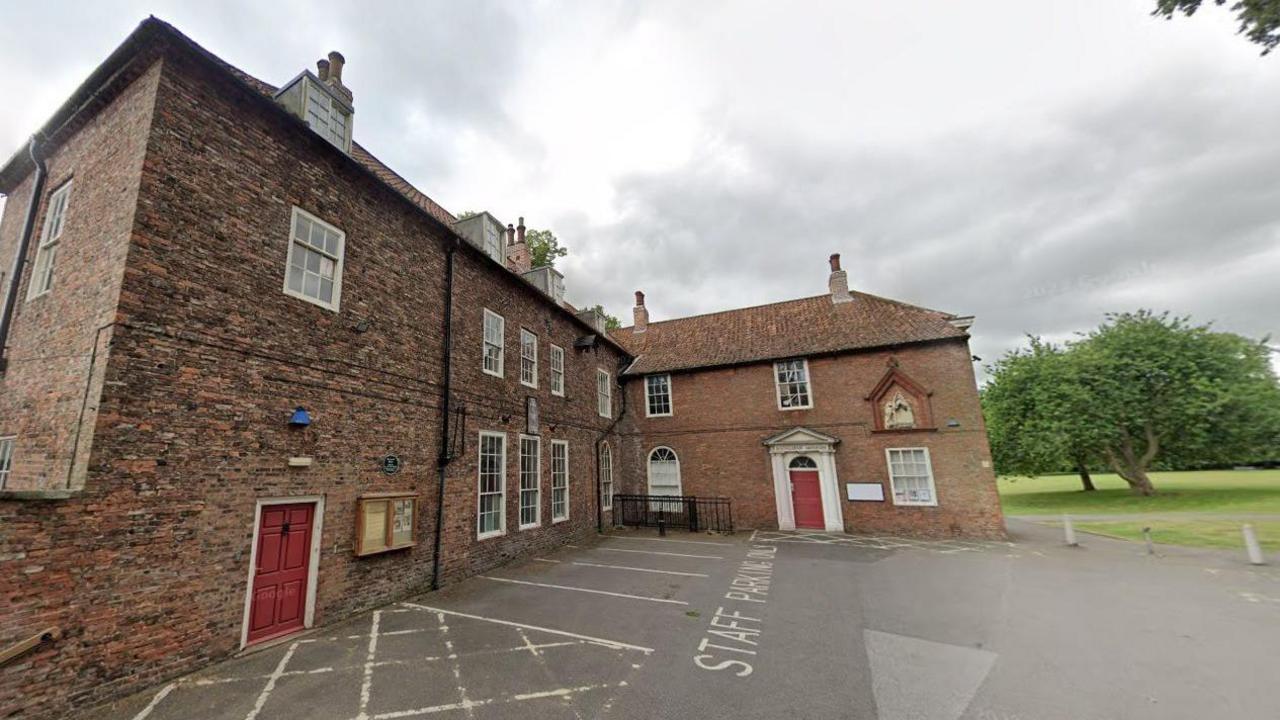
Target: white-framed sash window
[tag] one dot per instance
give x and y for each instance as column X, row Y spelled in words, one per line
column 657, row 393
column 557, row 370
column 559, row 480
column 792, row 380
column 604, row 393
column 6, row 459
column 55, row 219
column 911, row 476
column 491, row 513
column 495, row 329
column 528, row 358
column 313, row 271
column 530, row 482
column 606, row 477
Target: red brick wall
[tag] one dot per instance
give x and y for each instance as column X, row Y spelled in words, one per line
column 146, row 569
column 722, row 416
column 54, row 374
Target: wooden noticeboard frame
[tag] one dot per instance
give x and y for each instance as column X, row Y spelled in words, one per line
column 377, row 529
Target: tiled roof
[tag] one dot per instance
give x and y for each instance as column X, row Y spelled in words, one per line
column 362, row 156
column 795, row 328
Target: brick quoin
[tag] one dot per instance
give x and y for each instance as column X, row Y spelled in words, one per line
column 150, row 390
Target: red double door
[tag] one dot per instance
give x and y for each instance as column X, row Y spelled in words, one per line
column 806, row 499
column 278, row 603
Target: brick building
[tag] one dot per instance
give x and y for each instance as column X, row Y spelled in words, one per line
column 252, row 380
column 841, row 412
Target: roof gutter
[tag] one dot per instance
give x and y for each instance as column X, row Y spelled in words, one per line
column 24, row 243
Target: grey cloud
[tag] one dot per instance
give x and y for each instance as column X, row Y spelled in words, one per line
column 1112, row 207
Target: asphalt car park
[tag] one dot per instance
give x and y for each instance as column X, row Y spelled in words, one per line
column 773, row 625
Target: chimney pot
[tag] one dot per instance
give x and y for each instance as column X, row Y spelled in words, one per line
column 838, row 283
column 336, row 61
column 640, row 314
column 322, row 68
column 520, row 231
column 511, row 234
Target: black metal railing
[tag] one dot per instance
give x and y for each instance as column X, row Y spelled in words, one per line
column 697, row 514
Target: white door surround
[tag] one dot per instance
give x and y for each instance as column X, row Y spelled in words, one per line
column 313, row 572
column 785, row 447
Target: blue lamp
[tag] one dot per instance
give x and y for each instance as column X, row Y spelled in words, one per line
column 300, row 418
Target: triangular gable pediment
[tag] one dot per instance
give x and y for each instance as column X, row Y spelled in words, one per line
column 801, row 436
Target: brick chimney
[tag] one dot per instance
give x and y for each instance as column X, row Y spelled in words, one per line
column 640, row 313
column 519, row 259
column 839, row 282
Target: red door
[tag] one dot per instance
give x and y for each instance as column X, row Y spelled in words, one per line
column 806, row 499
column 279, row 601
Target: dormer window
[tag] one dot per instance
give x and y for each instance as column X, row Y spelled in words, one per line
column 322, row 101
column 327, row 117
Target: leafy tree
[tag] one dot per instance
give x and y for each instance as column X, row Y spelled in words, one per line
column 544, row 246
column 1141, row 391
column 1162, row 388
column 611, row 322
column 467, row 214
column 1031, row 406
column 1259, row 19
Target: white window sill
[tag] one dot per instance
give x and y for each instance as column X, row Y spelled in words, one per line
column 796, row 407
column 494, row 373
column 532, row 526
column 558, row 394
column 658, row 415
column 492, row 534
column 915, row 504
column 557, row 521
column 331, row 307
column 529, row 384
column 60, row 494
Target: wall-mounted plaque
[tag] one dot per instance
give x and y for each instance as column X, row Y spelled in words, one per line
column 531, row 415
column 865, row 492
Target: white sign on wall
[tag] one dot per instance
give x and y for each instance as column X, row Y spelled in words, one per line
column 870, row 492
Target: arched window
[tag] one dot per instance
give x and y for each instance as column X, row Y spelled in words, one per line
column 664, row 472
column 803, row 463
column 606, row 477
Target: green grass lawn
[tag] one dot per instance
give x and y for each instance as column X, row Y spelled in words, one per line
column 1220, row 491
column 1197, row 533
column 1208, row 492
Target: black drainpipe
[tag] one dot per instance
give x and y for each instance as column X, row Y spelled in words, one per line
column 612, row 461
column 445, row 458
column 20, row 257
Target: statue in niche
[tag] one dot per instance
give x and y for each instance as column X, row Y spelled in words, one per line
column 898, row 413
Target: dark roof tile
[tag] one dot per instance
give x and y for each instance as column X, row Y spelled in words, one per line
column 794, row 328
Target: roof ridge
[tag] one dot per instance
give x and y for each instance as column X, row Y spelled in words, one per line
column 859, row 293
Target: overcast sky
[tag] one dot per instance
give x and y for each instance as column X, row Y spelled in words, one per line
column 1036, row 164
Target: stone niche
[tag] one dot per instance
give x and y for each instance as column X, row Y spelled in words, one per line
column 899, row 404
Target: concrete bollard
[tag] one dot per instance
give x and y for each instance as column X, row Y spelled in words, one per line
column 1251, row 545
column 1069, row 531
column 1146, row 535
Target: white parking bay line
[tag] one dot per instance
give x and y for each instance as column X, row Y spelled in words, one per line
column 598, row 641
column 585, row 590
column 652, row 552
column 625, row 567
column 686, row 542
